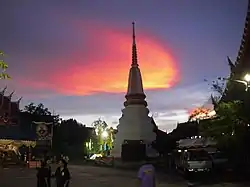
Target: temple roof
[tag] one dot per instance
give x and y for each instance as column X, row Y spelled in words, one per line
column 196, row 142
column 243, row 58
column 235, row 90
column 7, row 105
column 185, row 130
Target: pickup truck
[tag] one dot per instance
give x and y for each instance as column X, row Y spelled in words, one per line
column 194, row 160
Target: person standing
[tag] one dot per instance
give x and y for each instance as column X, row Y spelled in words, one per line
column 1, row 159
column 25, row 157
column 4, row 155
column 146, row 175
column 42, row 176
column 62, row 174
column 66, row 158
column 49, row 173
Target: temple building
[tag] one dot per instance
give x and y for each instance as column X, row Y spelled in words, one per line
column 22, row 129
column 237, row 84
column 135, row 124
column 235, row 90
column 9, row 110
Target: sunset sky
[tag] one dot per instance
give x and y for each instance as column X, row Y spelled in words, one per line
column 74, row 56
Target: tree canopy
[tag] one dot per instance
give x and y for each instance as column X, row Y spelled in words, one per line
column 230, row 127
column 229, row 119
column 70, row 137
column 40, row 109
column 37, row 109
column 104, row 135
column 4, row 67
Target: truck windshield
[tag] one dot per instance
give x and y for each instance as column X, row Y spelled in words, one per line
column 198, row 156
column 218, row 156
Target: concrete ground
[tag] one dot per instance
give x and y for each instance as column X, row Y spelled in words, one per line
column 91, row 177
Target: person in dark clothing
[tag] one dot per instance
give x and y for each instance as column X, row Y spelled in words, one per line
column 42, row 176
column 1, row 159
column 62, row 174
column 49, row 173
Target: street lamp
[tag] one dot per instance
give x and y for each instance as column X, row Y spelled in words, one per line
column 104, row 134
column 247, row 77
column 245, row 81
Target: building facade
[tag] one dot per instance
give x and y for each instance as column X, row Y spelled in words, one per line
column 19, row 128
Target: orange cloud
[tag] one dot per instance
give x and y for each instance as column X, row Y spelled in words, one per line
column 102, row 60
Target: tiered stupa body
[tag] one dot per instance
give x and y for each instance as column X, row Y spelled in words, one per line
column 135, row 124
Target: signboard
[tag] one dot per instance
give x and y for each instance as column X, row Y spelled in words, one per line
column 44, row 131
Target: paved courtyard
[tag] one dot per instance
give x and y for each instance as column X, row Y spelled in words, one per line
column 91, row 177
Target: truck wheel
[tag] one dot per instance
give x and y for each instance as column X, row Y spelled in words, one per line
column 186, row 173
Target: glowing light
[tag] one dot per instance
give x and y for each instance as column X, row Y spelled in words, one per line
column 105, row 55
column 105, row 134
column 201, row 113
column 247, row 77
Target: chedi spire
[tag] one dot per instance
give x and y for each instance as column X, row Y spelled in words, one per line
column 134, row 50
column 135, row 93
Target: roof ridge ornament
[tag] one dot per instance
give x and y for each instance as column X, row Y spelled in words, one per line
column 11, row 94
column 3, row 91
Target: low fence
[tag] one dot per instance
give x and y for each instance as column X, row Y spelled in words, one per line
column 34, row 164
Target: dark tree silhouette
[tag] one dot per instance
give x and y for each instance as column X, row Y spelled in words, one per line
column 70, row 137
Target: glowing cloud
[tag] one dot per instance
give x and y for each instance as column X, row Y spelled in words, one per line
column 101, row 62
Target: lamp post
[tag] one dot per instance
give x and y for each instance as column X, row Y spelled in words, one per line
column 245, row 81
column 104, row 136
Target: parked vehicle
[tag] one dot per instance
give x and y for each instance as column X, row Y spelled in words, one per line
column 219, row 160
column 9, row 157
column 194, row 160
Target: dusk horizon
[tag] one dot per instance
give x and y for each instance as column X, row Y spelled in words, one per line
column 75, row 57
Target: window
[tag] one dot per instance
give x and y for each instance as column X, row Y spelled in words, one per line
column 198, row 156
